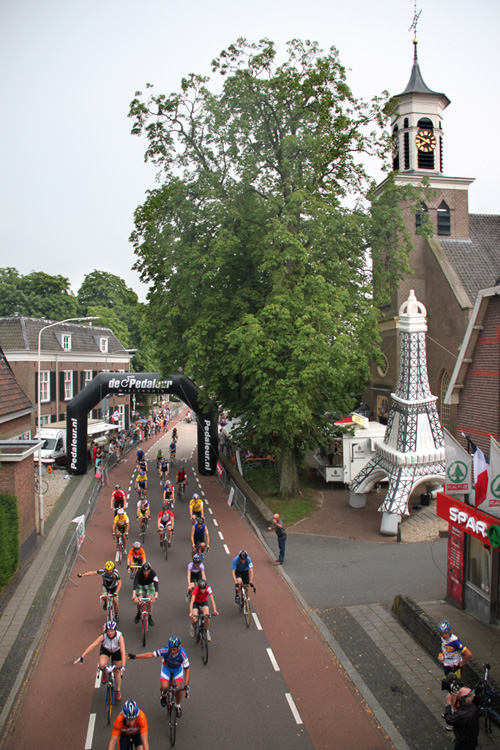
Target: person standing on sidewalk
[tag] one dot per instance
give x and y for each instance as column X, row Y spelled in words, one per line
column 462, row 715
column 279, row 527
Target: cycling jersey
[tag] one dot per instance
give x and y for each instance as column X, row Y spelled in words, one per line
column 172, row 447
column 452, row 649
column 141, row 478
column 241, row 565
column 121, row 521
column 142, row 507
column 168, row 490
column 136, row 557
column 111, row 644
column 121, row 727
column 181, row 475
column 199, row 531
column 140, row 455
column 196, row 505
column 110, row 579
column 201, row 597
column 165, row 516
column 141, row 580
column 118, row 497
column 173, row 661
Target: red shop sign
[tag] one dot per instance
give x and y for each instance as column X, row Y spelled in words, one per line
column 467, row 518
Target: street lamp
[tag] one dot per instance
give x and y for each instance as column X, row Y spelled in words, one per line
column 41, row 519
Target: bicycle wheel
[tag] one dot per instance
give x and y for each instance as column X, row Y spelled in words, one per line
column 165, row 546
column 120, row 550
column 142, row 532
column 110, row 699
column 144, row 628
column 204, row 646
column 246, row 611
column 172, row 721
column 110, row 611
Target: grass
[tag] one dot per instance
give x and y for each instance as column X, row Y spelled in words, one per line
column 265, row 483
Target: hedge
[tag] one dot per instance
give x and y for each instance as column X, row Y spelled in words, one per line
column 9, row 538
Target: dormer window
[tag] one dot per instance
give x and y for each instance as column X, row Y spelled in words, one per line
column 103, row 344
column 444, row 219
column 66, row 342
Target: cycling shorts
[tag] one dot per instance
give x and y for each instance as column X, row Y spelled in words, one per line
column 142, row 485
column 177, row 673
column 126, row 739
column 115, row 655
column 244, row 575
column 142, row 592
column 200, row 605
column 195, row 576
column 144, row 513
column 111, row 590
column 199, row 540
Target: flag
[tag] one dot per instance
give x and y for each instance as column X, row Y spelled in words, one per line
column 115, row 416
column 492, row 503
column 480, row 474
column 458, row 463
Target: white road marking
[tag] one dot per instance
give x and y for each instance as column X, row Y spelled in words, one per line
column 97, row 683
column 272, row 657
column 210, row 511
column 220, row 536
column 226, row 549
column 256, row 621
column 293, row 708
column 214, row 520
column 90, row 732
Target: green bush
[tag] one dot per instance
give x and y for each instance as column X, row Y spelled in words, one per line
column 9, row 538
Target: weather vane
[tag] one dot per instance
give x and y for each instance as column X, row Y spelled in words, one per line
column 414, row 23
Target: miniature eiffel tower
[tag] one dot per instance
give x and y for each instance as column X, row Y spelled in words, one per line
column 412, row 451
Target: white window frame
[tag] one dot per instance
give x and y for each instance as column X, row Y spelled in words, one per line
column 68, row 385
column 121, row 421
column 66, row 342
column 103, row 344
column 88, row 377
column 44, row 386
column 45, row 419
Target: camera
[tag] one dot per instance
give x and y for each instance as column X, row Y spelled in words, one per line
column 452, row 683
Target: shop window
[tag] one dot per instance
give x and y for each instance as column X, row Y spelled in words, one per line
column 479, row 565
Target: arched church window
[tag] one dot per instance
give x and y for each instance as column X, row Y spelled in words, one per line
column 421, row 210
column 444, row 219
column 395, row 148
column 444, row 409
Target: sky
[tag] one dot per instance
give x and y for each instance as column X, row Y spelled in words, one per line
column 71, row 174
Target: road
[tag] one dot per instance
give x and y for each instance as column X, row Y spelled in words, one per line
column 274, row 684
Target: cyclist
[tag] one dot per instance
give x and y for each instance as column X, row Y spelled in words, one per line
column 159, row 457
column 140, row 456
column 195, row 573
column 175, row 666
column 121, row 525
column 173, row 449
column 454, row 655
column 136, row 555
column 195, row 507
column 199, row 601
column 112, row 646
column 166, row 524
column 145, row 585
column 111, row 583
column 168, row 494
column 163, row 469
column 143, row 511
column 181, row 479
column 174, row 435
column 118, row 498
column 199, row 535
column 130, row 727
column 141, row 482
column 242, row 572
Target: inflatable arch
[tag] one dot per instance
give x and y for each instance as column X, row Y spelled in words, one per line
column 138, row 384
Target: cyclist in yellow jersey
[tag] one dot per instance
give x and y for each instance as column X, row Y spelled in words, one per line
column 121, row 525
column 195, row 507
column 141, row 482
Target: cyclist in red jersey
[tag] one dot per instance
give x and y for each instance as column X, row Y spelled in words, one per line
column 118, row 498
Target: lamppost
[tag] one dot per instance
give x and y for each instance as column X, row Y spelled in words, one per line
column 41, row 519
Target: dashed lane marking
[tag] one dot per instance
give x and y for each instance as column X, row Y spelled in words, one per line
column 226, row 549
column 272, row 658
column 221, row 536
column 293, row 708
column 214, row 521
column 256, row 621
column 90, row 732
column 210, row 511
column 97, row 683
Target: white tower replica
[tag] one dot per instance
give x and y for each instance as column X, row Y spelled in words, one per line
column 412, row 451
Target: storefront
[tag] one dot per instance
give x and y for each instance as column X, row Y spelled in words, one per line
column 473, row 579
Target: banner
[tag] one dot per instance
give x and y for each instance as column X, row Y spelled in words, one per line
column 492, row 503
column 458, row 476
column 80, row 530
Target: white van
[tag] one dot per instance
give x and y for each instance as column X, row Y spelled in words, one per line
column 54, row 440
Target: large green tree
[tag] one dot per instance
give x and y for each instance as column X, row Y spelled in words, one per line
column 259, row 282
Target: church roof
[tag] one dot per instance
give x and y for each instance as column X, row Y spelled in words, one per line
column 416, row 84
column 476, row 261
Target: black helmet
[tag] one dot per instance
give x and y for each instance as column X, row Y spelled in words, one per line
column 243, row 554
column 202, row 585
column 117, row 486
column 146, row 566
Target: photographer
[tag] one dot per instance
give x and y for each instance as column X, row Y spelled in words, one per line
column 462, row 714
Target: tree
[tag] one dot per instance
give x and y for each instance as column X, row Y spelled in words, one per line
column 12, row 299
column 260, row 287
column 48, row 296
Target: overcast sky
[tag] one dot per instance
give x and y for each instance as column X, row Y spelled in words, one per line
column 71, row 175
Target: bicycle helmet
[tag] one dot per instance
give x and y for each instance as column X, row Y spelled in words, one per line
column 117, row 486
column 202, row 585
column 199, row 521
column 109, row 566
column 111, row 625
column 196, row 558
column 196, row 496
column 146, row 566
column 131, row 710
column 243, row 554
column 120, row 511
column 174, row 642
column 137, row 545
column 444, row 626
column 168, row 482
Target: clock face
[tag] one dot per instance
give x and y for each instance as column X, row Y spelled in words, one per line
column 425, row 140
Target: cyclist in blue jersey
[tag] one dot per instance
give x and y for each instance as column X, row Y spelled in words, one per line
column 175, row 667
column 200, row 538
column 242, row 572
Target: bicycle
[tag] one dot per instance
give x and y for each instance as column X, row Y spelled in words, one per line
column 110, row 682
column 168, row 698
column 40, row 489
column 181, row 487
column 244, row 603
column 200, row 635
column 144, row 617
column 483, row 696
column 199, row 548
column 133, row 570
column 172, row 457
column 164, row 543
column 110, row 606
column 143, row 527
column 121, row 538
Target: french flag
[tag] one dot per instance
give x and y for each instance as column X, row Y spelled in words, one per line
column 481, row 465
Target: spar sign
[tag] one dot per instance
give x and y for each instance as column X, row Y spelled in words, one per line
column 480, row 525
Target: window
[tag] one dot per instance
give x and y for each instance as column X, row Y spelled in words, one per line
column 24, row 436
column 407, row 150
column 395, row 148
column 88, row 377
column 479, row 565
column 45, row 419
column 444, row 409
column 422, row 209
column 444, row 219
column 103, row 344
column 44, row 386
column 66, row 342
column 68, row 385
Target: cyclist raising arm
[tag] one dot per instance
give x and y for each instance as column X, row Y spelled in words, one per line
column 130, row 725
column 175, row 664
column 111, row 583
column 112, row 645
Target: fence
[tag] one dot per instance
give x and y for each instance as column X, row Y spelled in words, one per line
column 238, row 498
